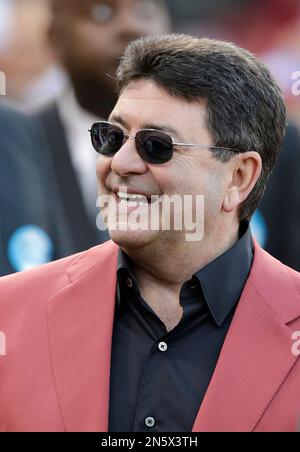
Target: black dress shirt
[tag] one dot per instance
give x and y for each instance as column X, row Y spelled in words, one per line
column 159, row 378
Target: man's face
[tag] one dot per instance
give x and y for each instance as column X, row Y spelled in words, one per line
column 91, row 35
column 191, row 171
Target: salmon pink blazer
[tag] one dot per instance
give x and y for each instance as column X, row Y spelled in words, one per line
column 58, row 323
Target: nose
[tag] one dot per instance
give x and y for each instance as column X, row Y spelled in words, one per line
column 127, row 161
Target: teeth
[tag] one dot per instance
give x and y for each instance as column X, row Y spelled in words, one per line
column 123, row 195
column 131, row 199
column 132, row 203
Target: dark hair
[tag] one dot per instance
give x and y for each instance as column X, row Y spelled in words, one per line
column 245, row 107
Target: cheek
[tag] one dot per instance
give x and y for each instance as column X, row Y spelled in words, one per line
column 213, row 199
column 181, row 175
column 203, row 176
column 163, row 178
column 201, row 179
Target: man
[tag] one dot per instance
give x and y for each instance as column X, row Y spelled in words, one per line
column 28, row 234
column 88, row 39
column 156, row 331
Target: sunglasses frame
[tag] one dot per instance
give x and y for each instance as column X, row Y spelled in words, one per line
column 174, row 143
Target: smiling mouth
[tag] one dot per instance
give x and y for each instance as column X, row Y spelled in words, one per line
column 132, row 199
column 135, row 199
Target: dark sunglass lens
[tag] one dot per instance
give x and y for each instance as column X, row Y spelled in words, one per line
column 107, row 139
column 154, row 147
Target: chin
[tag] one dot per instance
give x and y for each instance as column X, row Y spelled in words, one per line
column 132, row 239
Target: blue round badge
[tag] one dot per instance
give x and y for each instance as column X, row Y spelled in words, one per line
column 259, row 228
column 28, row 247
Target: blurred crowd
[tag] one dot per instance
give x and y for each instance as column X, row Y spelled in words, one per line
column 59, row 58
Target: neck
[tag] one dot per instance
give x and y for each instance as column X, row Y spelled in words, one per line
column 174, row 266
column 161, row 272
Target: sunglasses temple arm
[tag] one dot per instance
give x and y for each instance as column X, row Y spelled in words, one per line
column 203, row 146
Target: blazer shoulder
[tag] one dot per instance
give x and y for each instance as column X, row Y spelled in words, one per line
column 278, row 284
column 43, row 282
column 295, row 277
column 31, row 286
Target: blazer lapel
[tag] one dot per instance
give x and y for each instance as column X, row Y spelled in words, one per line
column 80, row 320
column 256, row 356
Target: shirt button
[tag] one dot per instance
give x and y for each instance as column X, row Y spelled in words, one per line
column 162, row 346
column 150, row 422
column 129, row 283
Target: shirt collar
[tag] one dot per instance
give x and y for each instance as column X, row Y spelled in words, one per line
column 222, row 280
column 124, row 269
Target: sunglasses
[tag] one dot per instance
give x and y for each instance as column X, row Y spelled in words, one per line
column 153, row 146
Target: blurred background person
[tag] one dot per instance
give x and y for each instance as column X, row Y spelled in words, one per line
column 31, row 222
column 33, row 76
column 88, row 39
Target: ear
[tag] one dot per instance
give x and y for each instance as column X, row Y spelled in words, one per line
column 244, row 173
